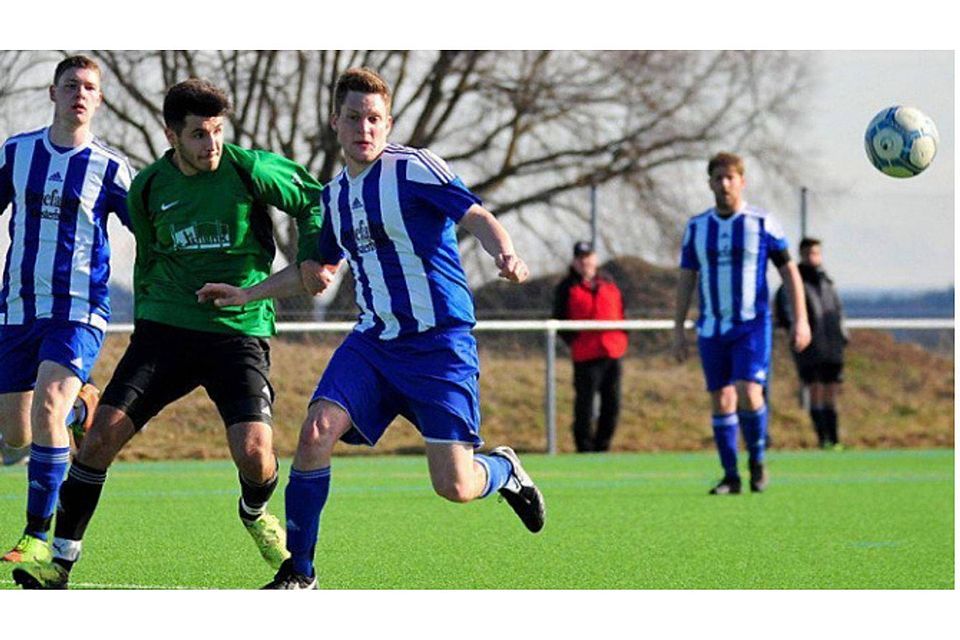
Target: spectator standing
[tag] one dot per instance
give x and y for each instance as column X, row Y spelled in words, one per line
column 588, row 294
column 819, row 366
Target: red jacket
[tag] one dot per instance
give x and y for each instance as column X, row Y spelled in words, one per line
column 574, row 299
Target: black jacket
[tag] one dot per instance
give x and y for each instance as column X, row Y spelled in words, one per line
column 825, row 312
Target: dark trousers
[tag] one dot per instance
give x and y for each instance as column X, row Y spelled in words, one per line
column 589, row 378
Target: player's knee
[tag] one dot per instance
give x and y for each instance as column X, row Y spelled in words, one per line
column 17, row 439
column 318, row 434
column 111, row 430
column 454, row 490
column 257, row 463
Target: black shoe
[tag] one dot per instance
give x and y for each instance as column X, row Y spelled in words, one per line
column 727, row 486
column 528, row 502
column 287, row 578
column 758, row 477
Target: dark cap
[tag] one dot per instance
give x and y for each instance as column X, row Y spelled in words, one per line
column 582, row 248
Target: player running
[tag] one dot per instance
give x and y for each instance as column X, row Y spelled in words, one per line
column 725, row 252
column 392, row 213
column 63, row 183
column 199, row 214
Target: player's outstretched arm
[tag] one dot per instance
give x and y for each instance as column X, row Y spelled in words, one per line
column 688, row 280
column 496, row 242
column 800, row 329
column 289, row 281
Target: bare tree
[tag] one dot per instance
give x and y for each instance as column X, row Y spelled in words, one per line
column 528, row 131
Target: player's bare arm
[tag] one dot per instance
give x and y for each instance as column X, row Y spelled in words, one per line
column 495, row 241
column 284, row 283
column 800, row 329
column 685, row 286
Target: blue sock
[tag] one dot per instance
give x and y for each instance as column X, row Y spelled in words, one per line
column 45, row 473
column 305, row 497
column 725, row 429
column 754, row 425
column 498, row 472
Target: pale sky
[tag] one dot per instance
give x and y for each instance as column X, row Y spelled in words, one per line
column 880, row 231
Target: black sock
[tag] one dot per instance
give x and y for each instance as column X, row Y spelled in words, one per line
column 819, row 424
column 254, row 497
column 79, row 496
column 830, row 423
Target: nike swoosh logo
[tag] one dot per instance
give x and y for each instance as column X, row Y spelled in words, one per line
column 169, row 205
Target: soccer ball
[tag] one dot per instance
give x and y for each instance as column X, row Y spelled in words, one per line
column 901, row 141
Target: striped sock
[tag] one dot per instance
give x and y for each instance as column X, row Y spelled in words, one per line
column 725, row 428
column 305, row 497
column 45, row 473
column 78, row 500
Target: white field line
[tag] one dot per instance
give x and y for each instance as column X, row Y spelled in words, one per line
column 126, row 587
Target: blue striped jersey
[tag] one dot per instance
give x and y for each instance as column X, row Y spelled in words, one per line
column 731, row 258
column 396, row 225
column 58, row 262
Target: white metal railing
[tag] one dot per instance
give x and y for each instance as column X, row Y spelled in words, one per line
column 551, row 327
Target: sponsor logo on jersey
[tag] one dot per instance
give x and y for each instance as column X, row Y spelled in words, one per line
column 200, row 236
column 50, row 205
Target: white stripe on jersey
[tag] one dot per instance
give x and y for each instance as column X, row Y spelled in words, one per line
column 414, row 272
column 83, row 245
column 751, row 246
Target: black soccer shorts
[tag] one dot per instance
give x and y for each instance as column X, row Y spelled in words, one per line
column 823, row 372
column 164, row 363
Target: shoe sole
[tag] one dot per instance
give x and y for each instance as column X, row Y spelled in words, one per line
column 27, row 581
column 517, row 501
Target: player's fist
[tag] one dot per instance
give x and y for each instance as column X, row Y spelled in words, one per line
column 316, row 277
column 512, row 268
column 222, row 295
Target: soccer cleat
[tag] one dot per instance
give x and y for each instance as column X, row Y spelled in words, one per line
column 287, row 578
column 28, row 549
column 270, row 538
column 528, row 502
column 41, row 575
column 11, row 456
column 83, row 409
column 758, row 477
column 727, row 486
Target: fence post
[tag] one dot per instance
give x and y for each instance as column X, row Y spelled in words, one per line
column 550, row 399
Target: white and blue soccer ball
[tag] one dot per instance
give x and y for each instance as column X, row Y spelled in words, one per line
column 901, row 141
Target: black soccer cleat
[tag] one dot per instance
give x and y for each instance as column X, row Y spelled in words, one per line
column 727, row 486
column 528, row 502
column 758, row 477
column 289, row 579
column 41, row 575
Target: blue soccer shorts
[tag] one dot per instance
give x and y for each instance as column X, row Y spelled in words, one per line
column 431, row 379
column 74, row 345
column 742, row 355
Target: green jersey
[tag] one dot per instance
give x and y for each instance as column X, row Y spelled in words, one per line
column 215, row 227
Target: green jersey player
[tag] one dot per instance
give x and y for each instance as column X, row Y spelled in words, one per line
column 199, row 214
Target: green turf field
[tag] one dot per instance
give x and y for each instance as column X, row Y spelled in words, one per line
column 850, row 520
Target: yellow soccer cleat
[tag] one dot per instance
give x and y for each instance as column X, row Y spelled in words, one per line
column 270, row 538
column 28, row 549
